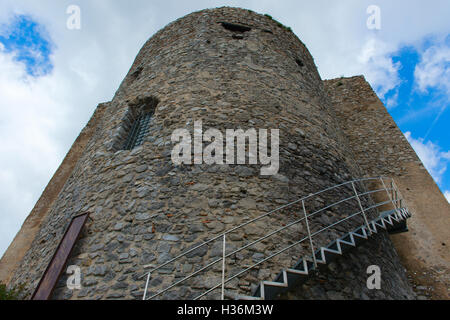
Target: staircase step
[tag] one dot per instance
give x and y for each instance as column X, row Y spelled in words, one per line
column 271, row 289
column 380, row 223
column 301, row 267
column 244, row 297
column 334, row 246
column 388, row 220
column 283, row 283
column 359, row 234
column 348, row 240
column 320, row 257
column 293, row 276
column 330, row 254
column 392, row 221
column 298, row 272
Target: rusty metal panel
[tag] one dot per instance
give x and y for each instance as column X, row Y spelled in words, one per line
column 56, row 265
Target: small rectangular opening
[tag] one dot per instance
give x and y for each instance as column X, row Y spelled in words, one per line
column 138, row 131
column 235, row 27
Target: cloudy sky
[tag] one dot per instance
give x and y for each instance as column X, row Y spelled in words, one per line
column 52, row 77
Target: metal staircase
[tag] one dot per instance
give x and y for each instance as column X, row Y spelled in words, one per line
column 362, row 224
column 393, row 221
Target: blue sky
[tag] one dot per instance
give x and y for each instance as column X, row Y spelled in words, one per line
column 52, row 78
column 422, row 108
column 29, row 42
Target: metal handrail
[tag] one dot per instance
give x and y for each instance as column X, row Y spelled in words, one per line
column 259, row 262
column 252, row 266
column 276, row 253
column 351, row 216
column 265, row 215
column 223, row 235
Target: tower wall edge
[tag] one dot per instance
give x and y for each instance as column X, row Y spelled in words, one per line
column 32, row 224
column 381, row 149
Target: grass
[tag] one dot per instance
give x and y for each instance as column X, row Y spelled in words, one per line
column 11, row 294
column 278, row 23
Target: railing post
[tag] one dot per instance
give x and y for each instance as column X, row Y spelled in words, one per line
column 309, row 235
column 394, row 194
column 223, row 268
column 397, row 199
column 362, row 209
column 146, row 286
column 399, row 196
column 387, row 191
column 394, row 200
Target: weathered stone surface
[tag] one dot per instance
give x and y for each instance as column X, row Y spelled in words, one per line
column 382, row 149
column 152, row 210
column 169, row 237
column 118, row 226
column 142, row 216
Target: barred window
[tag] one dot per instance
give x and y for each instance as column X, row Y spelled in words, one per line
column 138, row 131
column 136, row 124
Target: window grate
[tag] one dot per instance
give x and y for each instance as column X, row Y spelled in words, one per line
column 138, row 131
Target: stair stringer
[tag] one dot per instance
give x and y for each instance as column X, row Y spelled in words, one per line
column 291, row 277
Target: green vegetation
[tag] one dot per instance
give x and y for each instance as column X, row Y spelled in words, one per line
column 11, row 294
column 278, row 23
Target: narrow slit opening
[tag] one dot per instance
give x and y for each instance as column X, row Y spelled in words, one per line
column 235, row 27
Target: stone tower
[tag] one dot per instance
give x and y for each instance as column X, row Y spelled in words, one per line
column 230, row 69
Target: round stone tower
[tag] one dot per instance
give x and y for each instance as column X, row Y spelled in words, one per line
column 222, row 69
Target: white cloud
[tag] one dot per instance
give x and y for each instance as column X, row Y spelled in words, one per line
column 392, row 101
column 433, row 71
column 30, row 154
column 434, row 160
column 379, row 68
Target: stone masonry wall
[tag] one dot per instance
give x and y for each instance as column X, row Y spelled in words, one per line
column 145, row 211
column 380, row 148
column 378, row 145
